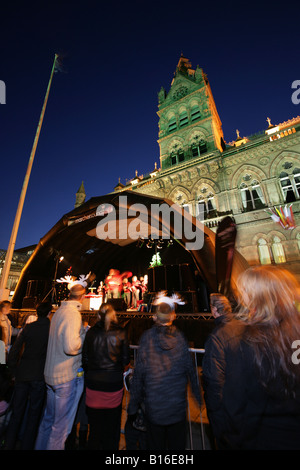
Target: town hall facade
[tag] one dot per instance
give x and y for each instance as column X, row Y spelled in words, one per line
column 255, row 180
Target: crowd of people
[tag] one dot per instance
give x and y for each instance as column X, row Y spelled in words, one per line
column 58, row 374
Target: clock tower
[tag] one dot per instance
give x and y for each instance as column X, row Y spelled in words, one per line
column 189, row 124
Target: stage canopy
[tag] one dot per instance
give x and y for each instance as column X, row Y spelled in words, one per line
column 128, row 221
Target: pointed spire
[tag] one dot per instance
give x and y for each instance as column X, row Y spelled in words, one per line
column 80, row 196
column 81, row 189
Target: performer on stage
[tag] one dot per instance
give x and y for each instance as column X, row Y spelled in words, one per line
column 144, row 286
column 127, row 291
column 114, row 283
column 101, row 292
column 135, row 289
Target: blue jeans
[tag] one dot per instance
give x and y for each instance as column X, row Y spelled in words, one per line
column 59, row 414
column 26, row 412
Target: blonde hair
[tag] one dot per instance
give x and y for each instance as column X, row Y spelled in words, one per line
column 267, row 294
column 268, row 305
column 108, row 315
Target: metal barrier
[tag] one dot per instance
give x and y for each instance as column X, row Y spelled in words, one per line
column 193, row 351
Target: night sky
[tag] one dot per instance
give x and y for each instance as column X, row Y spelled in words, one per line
column 101, row 121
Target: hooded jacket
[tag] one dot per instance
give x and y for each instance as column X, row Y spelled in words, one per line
column 162, row 371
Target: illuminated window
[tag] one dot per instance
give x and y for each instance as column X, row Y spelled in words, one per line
column 296, row 174
column 286, row 186
column 252, row 196
column 206, row 207
column 263, row 252
column 278, row 251
column 290, row 185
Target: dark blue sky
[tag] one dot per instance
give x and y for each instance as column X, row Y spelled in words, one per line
column 101, row 121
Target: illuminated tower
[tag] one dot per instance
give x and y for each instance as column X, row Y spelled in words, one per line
column 189, row 124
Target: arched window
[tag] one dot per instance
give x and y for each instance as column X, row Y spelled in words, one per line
column 177, row 157
column 290, row 184
column 296, row 174
column 195, row 113
column 172, row 124
column 252, row 196
column 206, row 207
column 286, row 186
column 278, row 251
column 183, row 119
column 263, row 252
column 199, row 148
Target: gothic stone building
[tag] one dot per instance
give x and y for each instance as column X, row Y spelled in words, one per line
column 241, row 179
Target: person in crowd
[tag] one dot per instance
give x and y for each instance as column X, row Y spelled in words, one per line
column 2, row 347
column 221, row 310
column 6, row 393
column 162, row 370
column 7, row 329
column 26, row 361
column 63, row 374
column 105, row 356
column 135, row 429
column 250, row 376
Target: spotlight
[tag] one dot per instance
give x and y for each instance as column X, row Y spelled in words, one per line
column 149, row 243
column 160, row 244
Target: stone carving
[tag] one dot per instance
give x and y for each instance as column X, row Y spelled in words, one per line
column 180, row 92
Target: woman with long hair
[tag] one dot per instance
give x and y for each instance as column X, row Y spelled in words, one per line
column 269, row 307
column 251, row 380
column 105, row 356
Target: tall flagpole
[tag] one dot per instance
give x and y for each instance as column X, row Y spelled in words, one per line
column 4, row 293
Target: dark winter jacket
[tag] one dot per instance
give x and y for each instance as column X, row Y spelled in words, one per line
column 27, row 356
column 162, row 370
column 104, row 356
column 242, row 413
